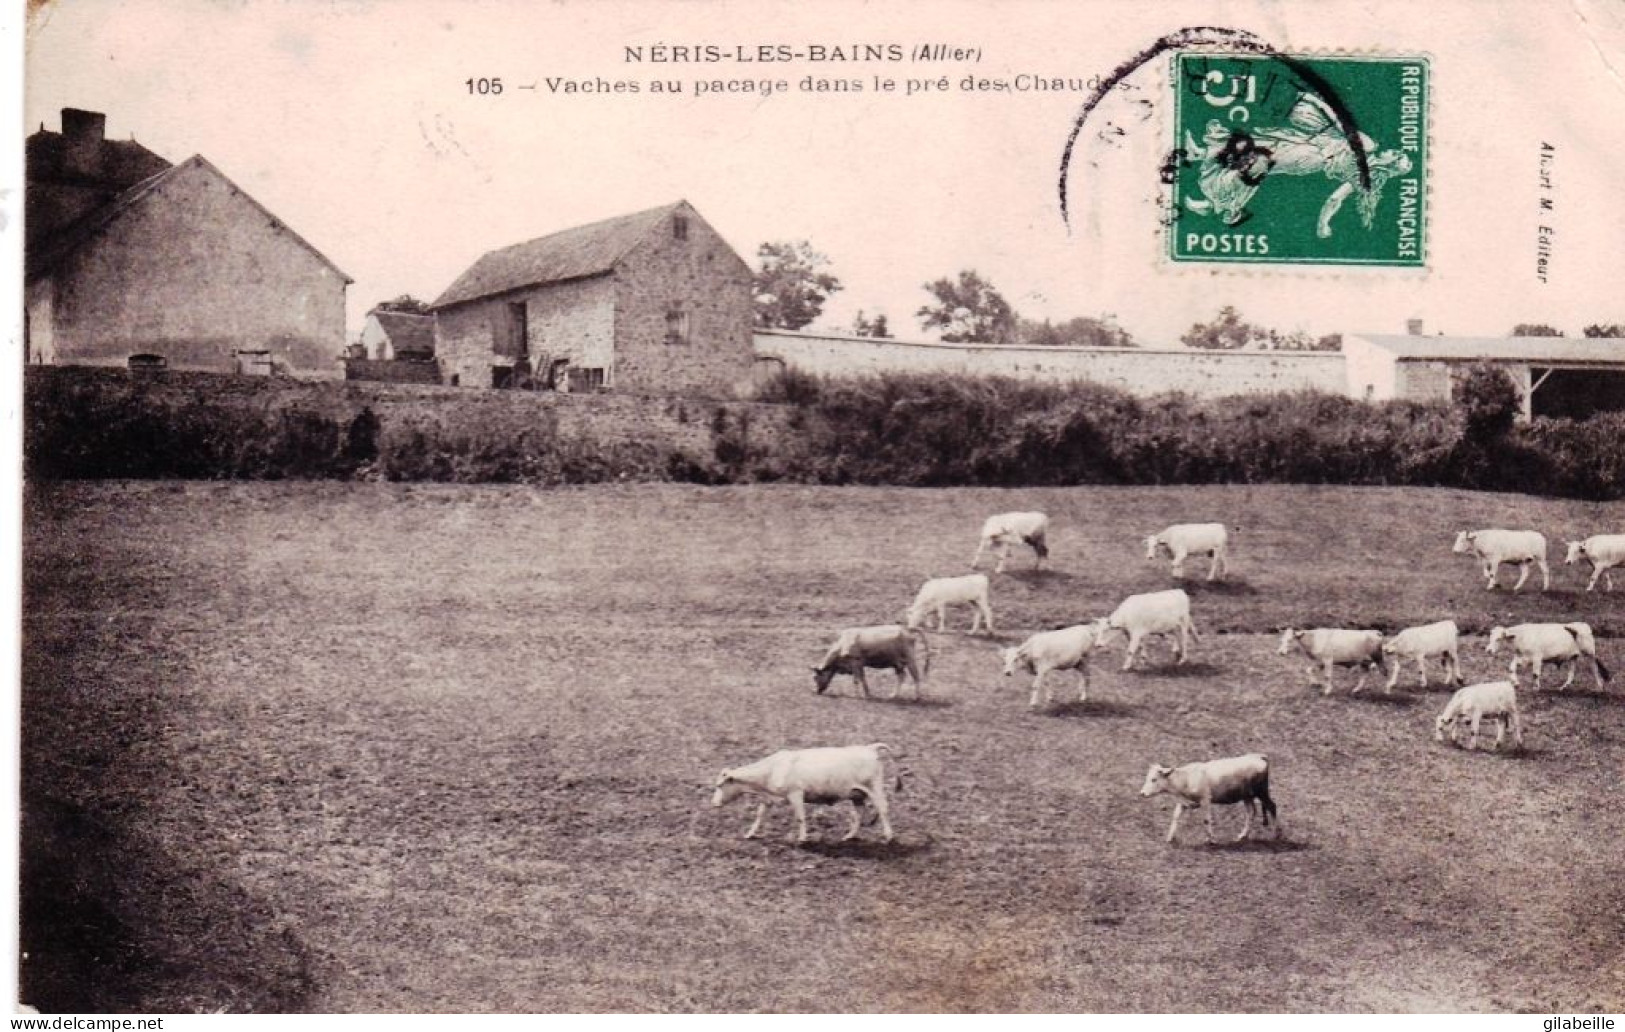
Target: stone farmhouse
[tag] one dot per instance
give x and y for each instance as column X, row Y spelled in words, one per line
column 128, row 255
column 652, row 302
column 387, row 336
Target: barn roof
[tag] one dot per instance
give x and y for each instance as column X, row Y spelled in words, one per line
column 569, row 254
column 49, row 251
column 407, row 331
column 1501, row 349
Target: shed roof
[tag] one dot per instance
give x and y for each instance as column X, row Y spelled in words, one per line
column 575, row 253
column 1502, row 349
column 407, row 331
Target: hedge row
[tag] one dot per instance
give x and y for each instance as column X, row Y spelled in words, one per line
column 913, row 429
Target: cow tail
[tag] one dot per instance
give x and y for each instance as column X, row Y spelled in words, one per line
column 1602, row 668
column 1191, row 626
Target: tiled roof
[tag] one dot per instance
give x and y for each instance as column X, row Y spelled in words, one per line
column 576, row 253
column 1504, row 349
column 408, row 333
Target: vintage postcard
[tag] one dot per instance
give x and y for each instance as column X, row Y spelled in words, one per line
column 856, row 508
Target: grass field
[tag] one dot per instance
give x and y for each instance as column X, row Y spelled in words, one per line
column 414, row 748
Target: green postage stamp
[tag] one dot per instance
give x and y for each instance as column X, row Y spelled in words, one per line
column 1299, row 160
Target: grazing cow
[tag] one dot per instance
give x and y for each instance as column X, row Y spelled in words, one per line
column 1184, row 539
column 1239, row 779
column 1065, row 649
column 824, row 776
column 1010, row 528
column 1155, row 612
column 887, row 646
column 1332, row 647
column 1605, row 551
column 1440, row 639
column 938, row 594
column 1494, row 547
column 1536, row 644
column 1496, row 700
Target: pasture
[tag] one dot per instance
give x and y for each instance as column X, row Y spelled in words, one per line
column 371, row 747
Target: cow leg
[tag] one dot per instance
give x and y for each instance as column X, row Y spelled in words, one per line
column 1213, row 568
column 981, row 546
column 1500, row 731
column 1491, row 571
column 756, row 825
column 798, row 803
column 1472, row 739
column 1359, row 683
column 1523, row 575
column 1393, row 678
column 1571, row 663
column 1545, row 574
column 1184, row 645
column 1032, row 700
column 986, row 614
column 942, row 618
column 1592, row 583
column 877, row 799
column 1247, row 828
column 863, row 682
column 1179, row 810
column 1134, row 640
column 1209, row 822
column 1328, row 671
column 1083, row 672
column 1422, row 669
column 857, row 820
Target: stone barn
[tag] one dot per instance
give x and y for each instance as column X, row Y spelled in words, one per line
column 1557, row 376
column 126, row 254
column 652, row 302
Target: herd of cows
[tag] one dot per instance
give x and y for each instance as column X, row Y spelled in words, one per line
column 855, row 773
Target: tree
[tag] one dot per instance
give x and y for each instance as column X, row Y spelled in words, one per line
column 405, row 303
column 1226, row 332
column 791, row 287
column 1535, row 330
column 1080, row 332
column 1605, row 330
column 968, row 310
column 866, row 327
column 1229, row 332
column 1491, row 400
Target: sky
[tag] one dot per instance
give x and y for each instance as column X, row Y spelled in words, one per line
column 353, row 121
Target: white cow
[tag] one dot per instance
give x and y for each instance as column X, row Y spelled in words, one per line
column 1155, row 612
column 1537, row 644
column 1496, row 700
column 1065, row 649
column 1184, row 539
column 1332, row 647
column 1494, row 547
column 1239, row 779
column 1605, row 551
column 1011, row 528
column 886, row 646
column 1440, row 639
column 938, row 594
column 824, row 776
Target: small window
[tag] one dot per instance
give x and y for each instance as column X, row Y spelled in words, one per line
column 679, row 227
column 585, row 379
column 676, row 325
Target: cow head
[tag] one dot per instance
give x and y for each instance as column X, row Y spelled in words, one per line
column 1464, row 541
column 1497, row 635
column 1156, row 780
column 1577, row 549
column 1152, row 546
column 1012, row 660
column 822, row 676
column 1289, row 638
column 728, row 789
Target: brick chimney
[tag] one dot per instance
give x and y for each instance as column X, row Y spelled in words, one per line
column 1413, row 327
column 83, row 133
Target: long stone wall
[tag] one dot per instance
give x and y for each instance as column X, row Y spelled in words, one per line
column 1138, row 370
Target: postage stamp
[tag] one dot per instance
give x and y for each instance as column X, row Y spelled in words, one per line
column 1298, row 160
